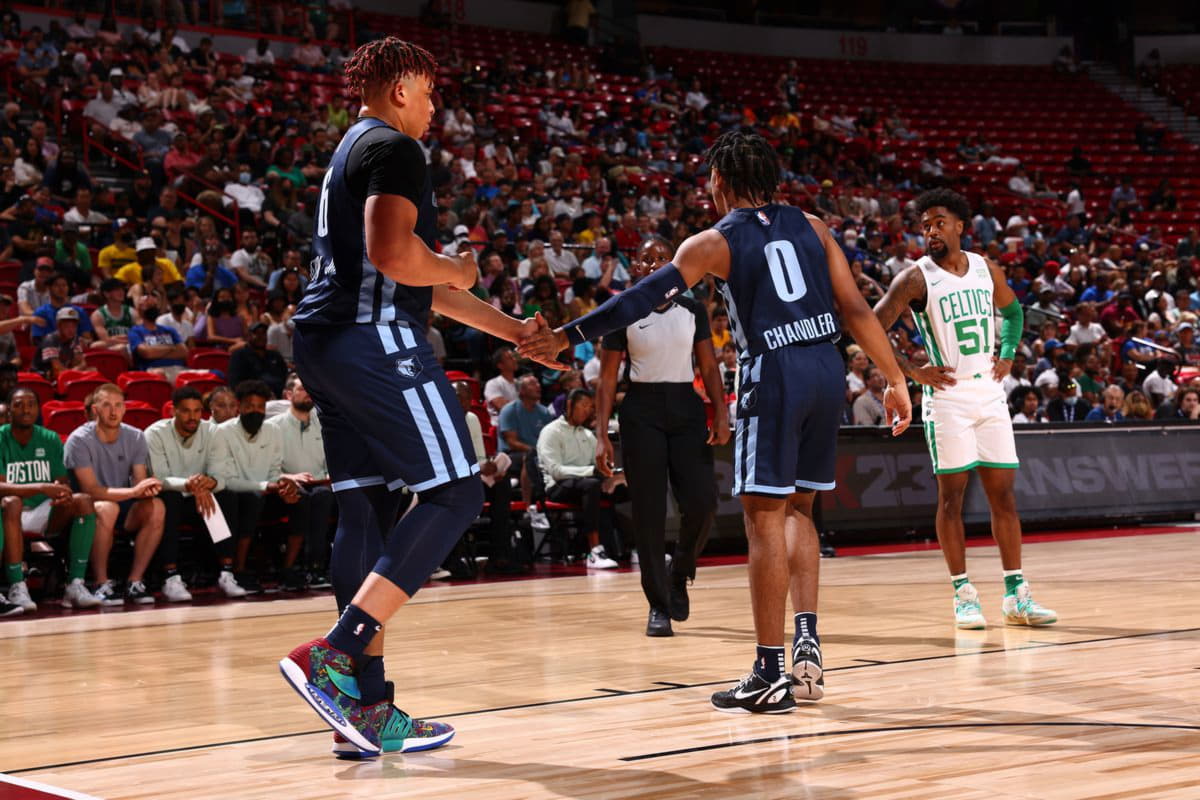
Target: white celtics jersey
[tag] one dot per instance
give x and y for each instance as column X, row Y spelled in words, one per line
column 959, row 320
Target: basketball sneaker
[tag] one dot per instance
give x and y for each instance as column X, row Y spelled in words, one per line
column 228, row 584
column 175, row 590
column 808, row 676
column 18, row 595
column 754, row 695
column 968, row 614
column 400, row 733
column 137, row 593
column 598, row 558
column 324, row 678
column 7, row 609
column 106, row 593
column 680, row 606
column 76, row 595
column 1022, row 609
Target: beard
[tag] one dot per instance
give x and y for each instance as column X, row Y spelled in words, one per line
column 305, row 406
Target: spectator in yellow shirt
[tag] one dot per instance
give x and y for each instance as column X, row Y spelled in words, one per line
column 118, row 254
column 720, row 329
column 147, row 253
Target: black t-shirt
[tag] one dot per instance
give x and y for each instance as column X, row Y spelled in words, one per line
column 385, row 161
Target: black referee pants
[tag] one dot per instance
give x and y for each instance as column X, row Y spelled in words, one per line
column 663, row 438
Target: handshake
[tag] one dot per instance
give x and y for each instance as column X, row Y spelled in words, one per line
column 541, row 343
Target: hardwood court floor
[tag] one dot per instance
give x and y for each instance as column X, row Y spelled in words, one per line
column 556, row 693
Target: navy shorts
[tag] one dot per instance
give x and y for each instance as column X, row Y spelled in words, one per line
column 388, row 414
column 789, row 406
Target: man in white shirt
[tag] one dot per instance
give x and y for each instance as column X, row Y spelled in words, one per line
column 102, row 109
column 178, row 316
column 1086, row 330
column 502, row 389
column 248, row 195
column 1016, row 374
column 1158, row 385
column 309, row 531
column 82, row 212
column 560, row 260
column 247, row 458
column 251, row 262
column 179, row 457
column 1020, row 184
column 566, row 452
column 653, row 204
column 1075, row 204
column 897, row 263
column 593, row 265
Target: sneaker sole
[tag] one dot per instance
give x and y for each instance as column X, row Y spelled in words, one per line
column 323, row 705
column 15, row 611
column 806, row 687
column 740, row 710
column 971, row 626
column 347, row 751
column 1026, row 623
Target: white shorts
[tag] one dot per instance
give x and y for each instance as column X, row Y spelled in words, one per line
column 35, row 519
column 968, row 426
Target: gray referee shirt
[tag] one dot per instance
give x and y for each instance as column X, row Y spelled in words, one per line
column 660, row 346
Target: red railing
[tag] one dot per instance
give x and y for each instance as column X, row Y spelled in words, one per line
column 89, row 143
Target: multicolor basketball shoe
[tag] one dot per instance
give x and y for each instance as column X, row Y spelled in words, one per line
column 324, row 678
column 400, row 733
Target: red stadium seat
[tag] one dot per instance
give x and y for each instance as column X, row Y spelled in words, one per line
column 141, row 418
column 108, row 363
column 146, row 387
column 43, row 388
column 77, row 384
column 209, row 360
column 64, row 420
column 202, row 381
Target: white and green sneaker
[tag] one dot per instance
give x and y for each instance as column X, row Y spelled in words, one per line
column 1022, row 609
column 968, row 614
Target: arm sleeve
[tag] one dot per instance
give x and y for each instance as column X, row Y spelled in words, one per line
column 1011, row 328
column 629, row 306
column 617, row 341
column 703, row 330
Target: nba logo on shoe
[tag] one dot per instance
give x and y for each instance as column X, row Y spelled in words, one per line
column 408, row 367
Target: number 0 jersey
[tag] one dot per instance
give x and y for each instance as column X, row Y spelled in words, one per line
column 778, row 292
column 344, row 286
column 958, row 323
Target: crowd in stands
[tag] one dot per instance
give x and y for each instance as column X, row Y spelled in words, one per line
column 156, row 202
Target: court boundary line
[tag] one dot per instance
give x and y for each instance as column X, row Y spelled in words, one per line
column 667, row 687
column 44, row 788
column 789, row 737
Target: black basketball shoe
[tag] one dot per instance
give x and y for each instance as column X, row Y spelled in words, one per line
column 807, row 674
column 754, row 695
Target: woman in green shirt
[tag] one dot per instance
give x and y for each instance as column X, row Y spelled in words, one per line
column 285, row 167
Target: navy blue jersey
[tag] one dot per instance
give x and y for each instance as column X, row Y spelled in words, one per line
column 344, row 286
column 778, row 291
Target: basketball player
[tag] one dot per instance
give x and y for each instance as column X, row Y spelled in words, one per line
column 954, row 296
column 385, row 403
column 785, row 283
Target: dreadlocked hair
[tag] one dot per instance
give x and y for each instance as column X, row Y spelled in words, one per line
column 385, row 61
column 747, row 163
column 948, row 199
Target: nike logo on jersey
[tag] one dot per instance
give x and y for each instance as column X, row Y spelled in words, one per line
column 935, row 283
column 643, row 327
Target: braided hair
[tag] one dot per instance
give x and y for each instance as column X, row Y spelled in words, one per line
column 747, row 163
column 382, row 62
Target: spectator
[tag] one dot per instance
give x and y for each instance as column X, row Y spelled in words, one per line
column 179, row 449
column 221, row 325
column 256, row 362
column 211, row 273
column 1185, row 405
column 110, row 463
column 519, row 424
column 35, row 292
column 121, row 252
column 156, row 348
column 251, row 262
column 1124, row 197
column 221, row 404
column 247, row 458
column 134, row 273
column 1158, row 385
column 1110, row 409
column 566, row 455
column 1137, row 406
column 868, row 407
column 501, row 390
column 9, row 352
column 1086, row 330
column 82, row 212
column 308, row 518
column 1024, row 401
column 504, row 554
column 111, row 322
column 62, row 349
column 1017, row 374
column 179, row 316
column 1068, row 406
column 38, row 499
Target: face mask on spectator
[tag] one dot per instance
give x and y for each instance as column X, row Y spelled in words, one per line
column 244, row 178
column 252, row 421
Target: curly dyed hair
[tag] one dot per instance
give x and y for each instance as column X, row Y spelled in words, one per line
column 384, row 61
column 952, row 201
column 747, row 162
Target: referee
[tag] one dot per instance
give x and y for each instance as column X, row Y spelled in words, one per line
column 664, row 435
